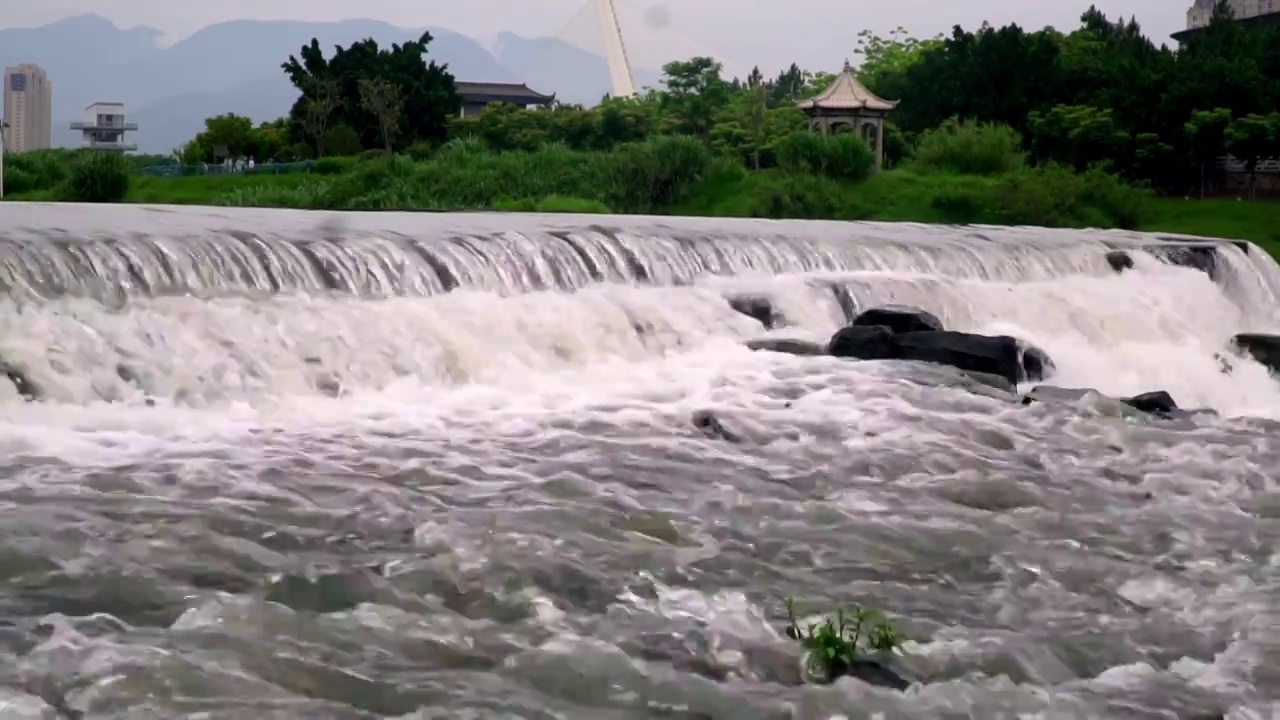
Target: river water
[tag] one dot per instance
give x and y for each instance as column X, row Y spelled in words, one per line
column 307, row 465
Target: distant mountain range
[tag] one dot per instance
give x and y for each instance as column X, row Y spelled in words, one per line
column 235, row 67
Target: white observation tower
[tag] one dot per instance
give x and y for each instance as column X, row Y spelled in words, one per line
column 615, row 51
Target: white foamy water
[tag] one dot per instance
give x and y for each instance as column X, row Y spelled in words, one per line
column 347, row 466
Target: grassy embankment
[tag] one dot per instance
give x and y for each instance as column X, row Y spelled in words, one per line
column 962, row 176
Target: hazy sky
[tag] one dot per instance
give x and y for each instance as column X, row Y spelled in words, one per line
column 742, row 32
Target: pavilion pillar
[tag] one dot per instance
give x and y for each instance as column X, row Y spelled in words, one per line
column 880, row 144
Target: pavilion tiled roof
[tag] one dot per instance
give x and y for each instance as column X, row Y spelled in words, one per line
column 847, row 93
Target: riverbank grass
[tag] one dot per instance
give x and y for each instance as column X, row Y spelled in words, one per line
column 678, row 176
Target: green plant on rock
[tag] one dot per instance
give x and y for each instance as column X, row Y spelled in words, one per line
column 834, row 646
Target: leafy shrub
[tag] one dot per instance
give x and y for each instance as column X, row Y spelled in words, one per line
column 420, row 150
column 970, row 148
column 332, row 165
column 796, row 196
column 1055, row 196
column 799, row 152
column 35, row 171
column 848, row 158
column 960, row 205
column 98, row 178
column 341, row 141
column 844, row 156
column 650, row 175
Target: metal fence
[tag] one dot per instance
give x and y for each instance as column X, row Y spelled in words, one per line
column 1231, row 164
column 175, row 170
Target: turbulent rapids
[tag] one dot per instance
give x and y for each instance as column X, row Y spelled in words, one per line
column 274, row 464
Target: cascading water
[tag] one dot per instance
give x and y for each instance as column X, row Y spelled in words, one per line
column 375, row 465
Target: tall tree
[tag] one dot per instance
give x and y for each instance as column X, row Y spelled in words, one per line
column 384, row 100
column 319, row 102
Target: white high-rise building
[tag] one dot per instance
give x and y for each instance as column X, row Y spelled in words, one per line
column 28, row 108
column 1201, row 10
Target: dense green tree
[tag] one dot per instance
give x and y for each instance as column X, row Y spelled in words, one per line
column 695, row 93
column 329, row 92
column 228, row 135
column 1206, row 134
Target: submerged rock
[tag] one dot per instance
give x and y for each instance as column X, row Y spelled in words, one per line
column 790, row 346
column 1157, row 402
column 1197, row 257
column 863, row 342
column 758, row 308
column 1261, row 347
column 1119, row 260
column 25, row 386
column 1050, row 393
column 899, row 319
column 712, row 427
column 329, row 593
column 995, row 382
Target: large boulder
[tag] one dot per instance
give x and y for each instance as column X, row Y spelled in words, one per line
column 1263, row 348
column 1000, row 355
column 863, row 342
column 790, row 346
column 899, row 319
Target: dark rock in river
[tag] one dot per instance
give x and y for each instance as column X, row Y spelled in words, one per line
column 757, row 307
column 791, row 346
column 712, row 427
column 1000, row 355
column 899, row 319
column 1119, row 260
column 863, row 342
column 1263, row 348
column 1158, row 402
column 871, row 671
column 24, row 385
column 1036, row 363
column 1197, row 257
